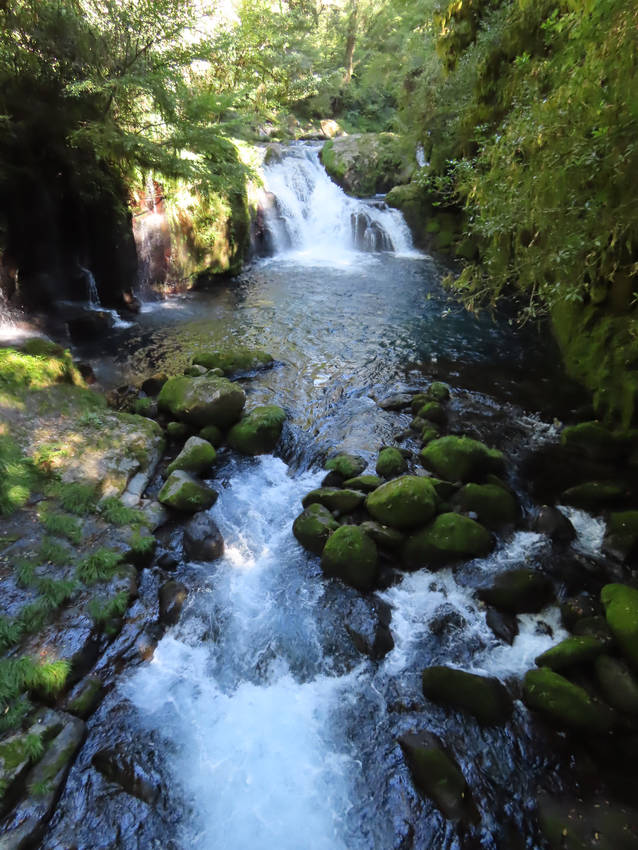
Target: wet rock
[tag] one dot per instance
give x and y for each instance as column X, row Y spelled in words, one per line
column 168, row 561
column 569, row 652
column 152, row 386
column 519, row 592
column 432, row 411
column 342, row 501
column 184, row 493
column 85, row 697
column 617, row 683
column 621, row 535
column 450, row 537
column 567, row 705
column 202, row 401
column 118, row 766
column 621, row 610
column 155, row 515
column 346, row 465
column 195, row 371
column 398, row 401
column 593, row 496
column 484, row 697
column 461, row 458
column 446, row 621
column 438, row 391
column 385, row 537
column 258, row 432
column 349, row 554
column 437, row 775
column 172, row 596
column 202, row 539
column 365, row 483
column 578, row 608
column 197, row 456
column 368, row 624
column 554, row 524
column 406, row 502
column 213, row 435
column 177, row 431
column 428, row 434
column 504, row 626
column 235, row 361
column 569, row 824
column 314, row 526
column 493, row 505
column 593, row 440
column 595, row 627
column 391, row 463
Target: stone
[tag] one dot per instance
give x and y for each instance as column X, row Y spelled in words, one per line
column 569, row 652
column 172, row 596
column 504, row 626
column 403, row 503
column 418, row 401
column 213, row 435
column 520, row 591
column 197, row 456
column 151, row 386
column 195, row 371
column 235, row 361
column 591, row 439
column 553, row 523
column 368, row 624
column 184, row 493
column 349, row 554
column 364, row 164
column 341, row 501
column 385, row 537
column 365, row 483
column 313, row 527
column 177, row 431
column 461, row 458
column 398, row 401
column 484, row 697
column 432, row 411
column 621, row 611
column 346, row 465
column 391, row 463
column 202, row 539
column 168, row 561
column 617, row 683
column 202, row 401
column 621, row 535
column 85, row 697
column 450, row 537
column 570, row 824
column 593, row 496
column 428, row 434
column 258, row 432
column 438, row 391
column 118, row 765
column 577, row 608
column 493, row 505
column 567, row 705
column 437, row 775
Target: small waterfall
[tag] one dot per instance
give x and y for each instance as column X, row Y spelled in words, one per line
column 314, row 217
column 91, row 287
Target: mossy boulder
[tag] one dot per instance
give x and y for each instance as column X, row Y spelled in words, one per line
column 197, row 456
column 213, row 434
column 438, row 391
column 258, row 432
column 429, row 433
column 567, row 705
column 432, row 411
column 570, row 652
column 450, row 537
column 365, row 483
column 335, row 499
column 351, row 555
column 346, row 465
column 493, row 505
column 184, row 493
column 405, row 502
column 202, row 401
column 617, row 683
column 570, row 824
column 391, row 463
column 461, row 458
column 234, row 361
column 418, row 401
column 365, row 164
column 621, row 610
column 484, row 697
column 621, row 535
column 519, row 591
column 313, row 527
column 593, row 440
column 195, row 371
column 178, row 431
column 385, row 537
column 593, row 495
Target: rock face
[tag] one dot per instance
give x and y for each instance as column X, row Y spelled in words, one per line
column 234, row 361
column 257, row 432
column 566, row 704
column 482, row 696
column 203, row 540
column 349, row 554
column 591, row 439
column 449, row 538
column 621, row 610
column 196, row 456
column 519, row 592
column 313, row 527
column 461, row 458
column 184, row 493
column 208, row 400
column 365, row 164
column 405, row 502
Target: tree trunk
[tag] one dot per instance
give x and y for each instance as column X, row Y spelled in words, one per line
column 351, row 39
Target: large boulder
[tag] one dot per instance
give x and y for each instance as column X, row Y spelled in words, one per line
column 185, row 493
column 573, row 650
column 592, row 440
column 617, row 683
column 621, row 610
column 172, row 596
column 406, row 502
column 519, row 592
column 346, row 465
column 257, row 432
column 484, row 697
column 391, row 463
column 365, row 483
column 593, row 496
column 365, row 164
column 349, row 554
column 461, row 458
column 209, row 400
column 203, row 540
column 234, row 361
column 621, row 535
column 450, row 537
column 554, row 524
column 313, row 527
column 493, row 505
column 341, row 501
column 389, row 539
column 567, row 705
column 571, row 824
column 196, row 456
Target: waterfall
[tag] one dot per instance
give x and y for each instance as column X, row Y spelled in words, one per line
column 313, row 217
column 91, row 287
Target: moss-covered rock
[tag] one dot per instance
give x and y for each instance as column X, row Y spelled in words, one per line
column 178, row 431
column 258, row 432
column 493, row 505
column 196, row 456
column 335, row 499
column 520, row 591
column 365, row 483
column 418, row 401
column 351, row 555
column 570, row 652
column 429, row 433
column 432, row 411
column 202, row 401
column 391, row 463
column 184, row 493
column 617, row 683
column 313, row 527
column 385, row 537
column 621, row 610
column 461, row 458
column 450, row 537
column 438, row 391
column 405, row 502
column 346, row 465
column 195, row 371
column 484, row 697
column 566, row 704
column 365, row 164
column 592, row 439
column 621, row 535
column 213, row 435
column 234, row 361
column 570, row 824
column 593, row 496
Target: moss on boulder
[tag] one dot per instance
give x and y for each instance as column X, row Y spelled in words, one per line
column 384, row 536
column 461, row 458
column 208, row 400
column 213, row 435
column 391, row 463
column 335, row 499
column 621, row 610
column 438, row 391
column 365, row 164
column 184, row 493
column 429, row 433
column 313, row 527
column 566, row 704
column 351, row 555
column 484, row 697
column 494, row 506
column 196, row 456
column 450, row 537
column 432, row 411
column 365, row 483
column 520, row 591
column 346, row 465
column 571, row 651
column 234, row 361
column 592, row 439
column 177, row 431
column 258, row 432
column 405, row 502
column 621, row 535
column 593, row 495
column 617, row 683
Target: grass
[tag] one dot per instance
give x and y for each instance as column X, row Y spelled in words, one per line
column 33, row 616
column 17, row 476
column 18, row 675
column 98, row 566
column 114, row 511
column 76, row 498
column 61, row 525
column 102, row 610
column 53, row 552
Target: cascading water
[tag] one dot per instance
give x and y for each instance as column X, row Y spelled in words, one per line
column 316, row 220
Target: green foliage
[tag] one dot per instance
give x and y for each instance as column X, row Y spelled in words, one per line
column 103, row 610
column 76, row 498
column 61, row 525
column 20, row 675
column 114, row 511
column 16, row 476
column 54, row 552
column 98, row 566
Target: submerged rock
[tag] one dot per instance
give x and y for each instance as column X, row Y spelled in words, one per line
column 621, row 610
column 349, row 554
column 368, row 624
column 342, row 501
column 405, row 502
column 346, row 465
column 484, row 697
column 203, row 540
column 197, row 456
column 450, row 537
column 314, row 526
column 461, row 458
column 566, row 704
column 494, row 506
column 258, row 432
column 119, row 766
column 184, row 493
column 208, row 400
column 398, row 401
column 504, row 626
column 234, row 361
column 519, row 592
column 391, row 463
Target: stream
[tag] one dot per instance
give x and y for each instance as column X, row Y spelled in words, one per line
column 257, row 717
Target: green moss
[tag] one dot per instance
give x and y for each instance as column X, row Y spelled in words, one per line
column 482, row 696
column 21, row 371
column 234, row 361
column 405, row 502
column 349, row 554
column 143, row 406
column 114, row 511
column 391, row 463
column 433, row 411
column 208, row 400
column 59, row 524
column 429, row 433
column 258, row 431
column 573, row 650
column 87, row 697
column 100, row 565
column 566, row 704
column 365, row 483
column 184, row 493
column 593, row 495
column 212, row 434
column 621, row 610
column 197, row 455
column 17, row 476
column 28, row 748
column 461, row 458
column 494, row 506
column 313, row 527
column 448, row 538
column 592, row 439
column 346, row 465
column 438, row 391
column 519, row 591
column 178, row 430
column 334, row 499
